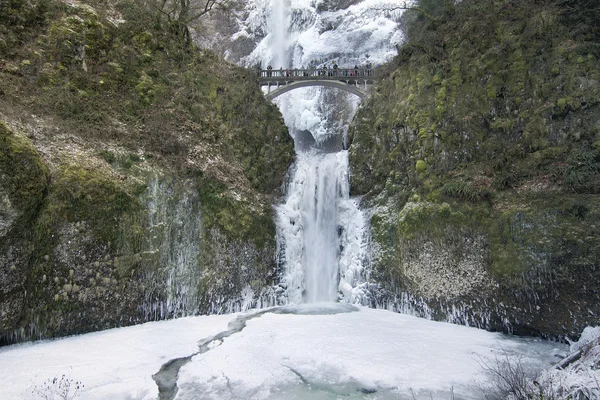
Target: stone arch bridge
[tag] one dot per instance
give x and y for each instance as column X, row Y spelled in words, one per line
column 356, row 81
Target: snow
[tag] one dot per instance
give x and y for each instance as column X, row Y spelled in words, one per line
column 370, row 349
column 335, row 352
column 588, row 335
column 115, row 364
column 580, row 379
column 350, row 34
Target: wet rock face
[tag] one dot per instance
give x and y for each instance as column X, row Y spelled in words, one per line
column 120, row 199
column 450, row 269
column 435, row 263
column 239, row 272
column 13, row 272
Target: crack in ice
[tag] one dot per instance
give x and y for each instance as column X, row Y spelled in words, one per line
column 166, row 377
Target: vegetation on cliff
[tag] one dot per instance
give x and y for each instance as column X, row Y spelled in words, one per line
column 104, row 110
column 480, row 149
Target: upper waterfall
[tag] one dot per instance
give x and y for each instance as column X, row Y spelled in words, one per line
column 278, row 28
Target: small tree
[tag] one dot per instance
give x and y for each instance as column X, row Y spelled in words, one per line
column 180, row 14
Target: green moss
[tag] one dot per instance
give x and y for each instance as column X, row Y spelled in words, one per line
column 486, row 95
column 24, row 176
column 501, row 143
column 419, row 217
column 581, row 170
column 236, row 218
column 124, row 87
column 146, row 90
column 564, row 102
column 81, row 194
column 19, row 21
column 520, row 240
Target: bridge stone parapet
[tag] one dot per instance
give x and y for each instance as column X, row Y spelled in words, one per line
column 356, row 81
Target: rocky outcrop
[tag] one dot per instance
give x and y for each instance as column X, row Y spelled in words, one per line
column 23, row 183
column 481, row 161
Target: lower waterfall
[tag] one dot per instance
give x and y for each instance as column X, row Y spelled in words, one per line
column 321, row 232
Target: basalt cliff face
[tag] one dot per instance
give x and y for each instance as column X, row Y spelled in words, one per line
column 479, row 155
column 137, row 172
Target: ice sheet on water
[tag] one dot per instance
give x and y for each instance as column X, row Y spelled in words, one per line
column 316, row 309
column 293, row 355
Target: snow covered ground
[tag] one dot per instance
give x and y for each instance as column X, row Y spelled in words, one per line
column 115, row 364
column 316, row 352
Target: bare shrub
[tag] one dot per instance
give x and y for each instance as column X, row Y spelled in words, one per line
column 57, row 388
column 510, row 378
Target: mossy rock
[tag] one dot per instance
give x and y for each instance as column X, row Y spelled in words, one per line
column 79, row 194
column 23, row 178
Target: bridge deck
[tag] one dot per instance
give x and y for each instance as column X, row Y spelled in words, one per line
column 283, row 77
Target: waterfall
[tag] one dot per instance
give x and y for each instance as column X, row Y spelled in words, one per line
column 279, row 33
column 319, row 212
column 322, row 235
column 308, row 229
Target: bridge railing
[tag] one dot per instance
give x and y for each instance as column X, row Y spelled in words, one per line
column 266, row 75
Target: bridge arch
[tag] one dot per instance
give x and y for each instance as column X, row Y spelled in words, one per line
column 352, row 80
column 334, row 84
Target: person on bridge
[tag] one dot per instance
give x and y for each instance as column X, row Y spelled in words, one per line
column 335, row 67
column 269, row 68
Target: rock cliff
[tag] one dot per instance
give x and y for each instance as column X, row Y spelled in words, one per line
column 479, row 153
column 137, row 172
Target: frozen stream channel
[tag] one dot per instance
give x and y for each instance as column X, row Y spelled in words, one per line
column 323, row 351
